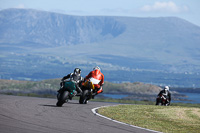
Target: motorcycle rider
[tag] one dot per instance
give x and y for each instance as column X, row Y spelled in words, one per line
column 76, row 77
column 97, row 78
column 165, row 92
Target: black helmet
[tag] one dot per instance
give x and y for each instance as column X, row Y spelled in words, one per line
column 77, row 71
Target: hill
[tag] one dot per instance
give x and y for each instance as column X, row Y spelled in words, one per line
column 48, row 88
column 44, row 29
column 51, row 86
column 37, row 45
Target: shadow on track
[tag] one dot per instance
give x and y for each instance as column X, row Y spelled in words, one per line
column 50, row 105
column 47, row 105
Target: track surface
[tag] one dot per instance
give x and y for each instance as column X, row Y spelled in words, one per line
column 40, row 115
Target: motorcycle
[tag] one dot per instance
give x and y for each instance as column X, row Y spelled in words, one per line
column 162, row 100
column 66, row 92
column 89, row 92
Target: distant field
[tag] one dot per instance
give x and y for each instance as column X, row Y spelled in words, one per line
column 48, row 88
column 174, row 119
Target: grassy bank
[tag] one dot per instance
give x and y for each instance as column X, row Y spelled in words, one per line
column 174, row 119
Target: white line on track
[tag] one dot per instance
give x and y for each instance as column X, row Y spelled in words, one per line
column 94, row 111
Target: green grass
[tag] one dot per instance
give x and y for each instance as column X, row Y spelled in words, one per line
column 174, row 119
column 123, row 101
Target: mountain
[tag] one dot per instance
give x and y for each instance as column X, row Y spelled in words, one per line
column 38, row 45
column 51, row 29
column 52, row 85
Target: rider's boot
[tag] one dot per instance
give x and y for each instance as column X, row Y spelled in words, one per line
column 93, row 96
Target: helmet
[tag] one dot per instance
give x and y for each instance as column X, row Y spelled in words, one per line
column 77, row 71
column 166, row 88
column 96, row 67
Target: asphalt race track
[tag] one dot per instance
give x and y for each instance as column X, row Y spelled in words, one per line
column 20, row 114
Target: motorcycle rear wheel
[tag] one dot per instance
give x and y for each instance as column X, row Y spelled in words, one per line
column 84, row 97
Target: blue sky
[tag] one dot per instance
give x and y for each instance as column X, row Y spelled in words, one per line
column 186, row 9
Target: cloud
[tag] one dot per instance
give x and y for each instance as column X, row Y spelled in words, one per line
column 164, row 7
column 21, row 6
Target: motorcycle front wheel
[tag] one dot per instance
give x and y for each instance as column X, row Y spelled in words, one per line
column 62, row 98
column 158, row 102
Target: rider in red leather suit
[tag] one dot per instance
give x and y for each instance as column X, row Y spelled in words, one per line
column 97, row 78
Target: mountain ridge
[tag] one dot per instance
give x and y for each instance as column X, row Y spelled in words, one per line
column 71, row 29
column 34, row 42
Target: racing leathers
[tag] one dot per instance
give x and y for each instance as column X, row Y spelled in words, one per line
column 97, row 78
column 75, row 78
column 166, row 94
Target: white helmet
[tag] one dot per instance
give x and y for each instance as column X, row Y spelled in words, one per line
column 96, row 67
column 166, row 88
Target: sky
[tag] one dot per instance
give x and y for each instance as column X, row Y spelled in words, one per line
column 185, row 9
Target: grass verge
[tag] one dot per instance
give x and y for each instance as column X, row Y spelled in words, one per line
column 166, row 119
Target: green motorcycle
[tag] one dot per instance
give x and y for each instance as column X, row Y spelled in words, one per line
column 66, row 92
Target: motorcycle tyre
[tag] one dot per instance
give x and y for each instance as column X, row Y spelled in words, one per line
column 159, row 102
column 84, row 98
column 63, row 98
